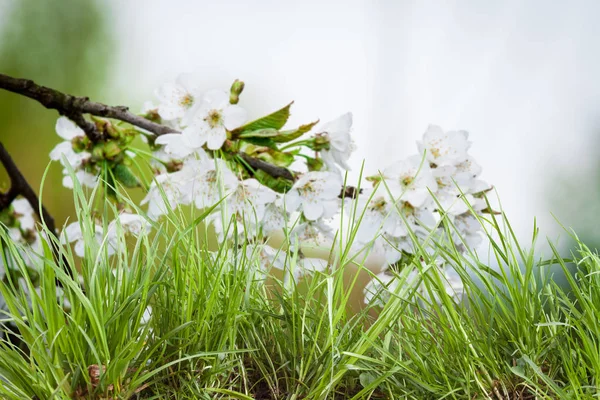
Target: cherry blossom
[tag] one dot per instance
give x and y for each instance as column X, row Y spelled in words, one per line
column 210, row 120
column 444, row 148
column 341, row 146
column 176, row 98
column 130, row 223
column 410, row 180
column 315, row 194
column 24, row 213
column 64, row 152
column 73, row 233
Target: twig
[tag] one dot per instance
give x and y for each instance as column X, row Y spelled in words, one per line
column 74, row 107
column 350, row 192
column 273, row 170
column 70, row 106
column 20, row 186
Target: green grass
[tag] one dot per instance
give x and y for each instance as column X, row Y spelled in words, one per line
column 218, row 329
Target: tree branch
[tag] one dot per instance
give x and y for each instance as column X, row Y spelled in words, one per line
column 74, row 106
column 20, row 186
column 273, row 170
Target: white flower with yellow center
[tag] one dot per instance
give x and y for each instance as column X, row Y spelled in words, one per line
column 410, row 180
column 246, row 204
column 315, row 194
column 176, row 98
column 210, row 120
column 164, row 194
column 213, row 182
column 311, row 234
column 377, row 214
column 444, row 148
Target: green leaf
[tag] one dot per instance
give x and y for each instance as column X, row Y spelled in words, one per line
column 262, row 142
column 125, row 176
column 287, row 136
column 275, row 157
column 261, row 133
column 274, row 120
column 280, row 185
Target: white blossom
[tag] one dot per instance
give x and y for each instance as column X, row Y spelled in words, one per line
column 444, row 148
column 164, row 194
column 209, row 121
column 410, row 180
column 341, row 145
column 377, row 290
column 267, row 257
column 311, row 233
column 24, row 213
column 275, row 217
column 73, row 233
column 176, row 98
column 315, row 194
column 83, row 177
column 68, row 130
column 468, row 229
column 213, row 182
column 246, row 204
column 130, row 223
column 389, row 248
column 307, row 265
column 375, row 212
column 180, row 145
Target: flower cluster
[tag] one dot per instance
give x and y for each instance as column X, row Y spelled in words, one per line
column 264, row 180
column 109, row 158
column 125, row 223
column 20, row 221
column 411, row 197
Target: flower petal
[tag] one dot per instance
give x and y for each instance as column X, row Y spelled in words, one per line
column 234, row 116
column 312, row 210
column 215, row 138
column 216, row 98
column 66, row 129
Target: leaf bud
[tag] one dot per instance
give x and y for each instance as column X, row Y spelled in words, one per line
column 236, row 90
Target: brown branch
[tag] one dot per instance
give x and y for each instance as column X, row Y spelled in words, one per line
column 74, row 106
column 273, row 170
column 350, row 192
column 20, row 186
column 89, row 128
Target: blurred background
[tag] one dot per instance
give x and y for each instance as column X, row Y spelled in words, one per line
column 521, row 77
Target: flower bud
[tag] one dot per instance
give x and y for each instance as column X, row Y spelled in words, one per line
column 319, row 142
column 111, row 150
column 80, row 143
column 112, row 130
column 375, row 179
column 97, row 153
column 236, row 90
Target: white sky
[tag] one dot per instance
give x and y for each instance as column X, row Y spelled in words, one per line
column 521, row 77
